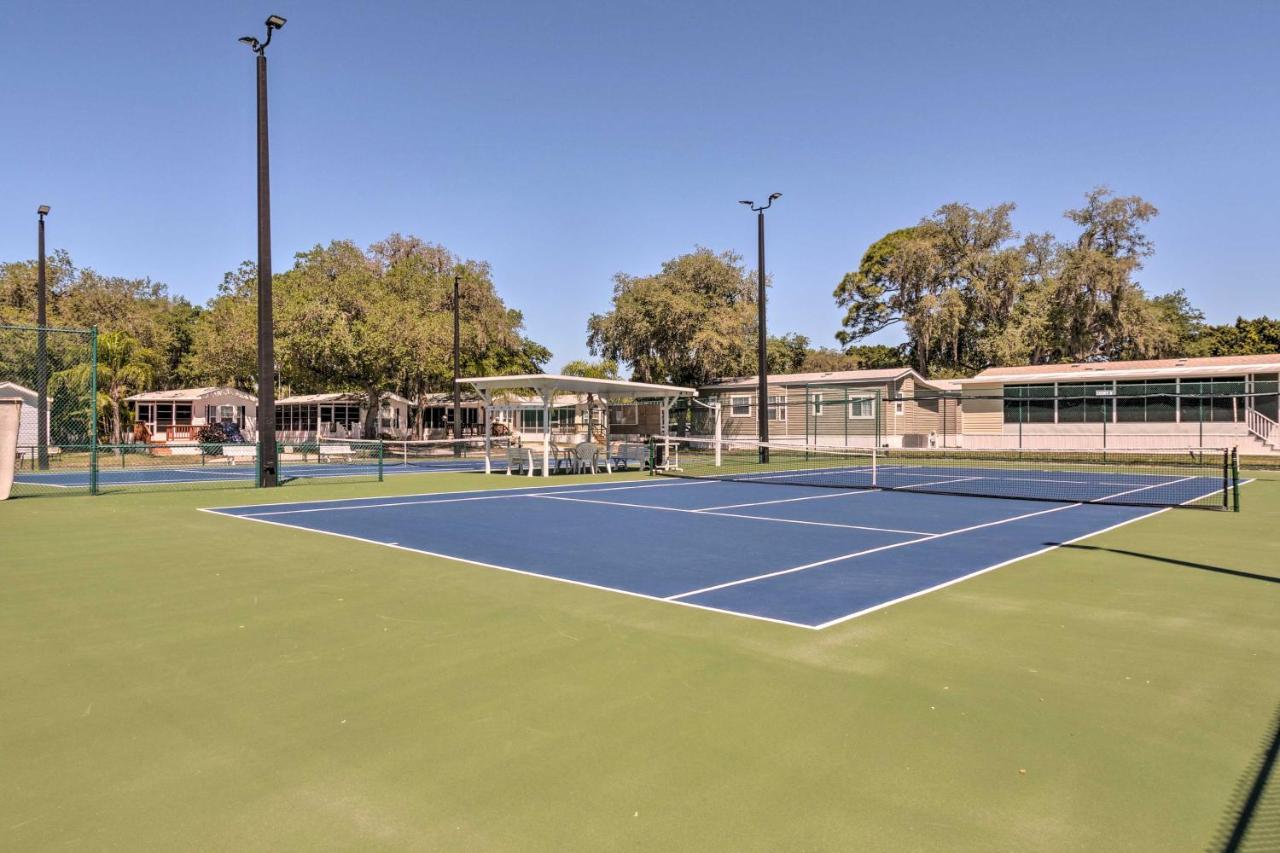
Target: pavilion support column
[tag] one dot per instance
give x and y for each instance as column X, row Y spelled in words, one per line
column 488, row 429
column 548, row 397
column 607, row 426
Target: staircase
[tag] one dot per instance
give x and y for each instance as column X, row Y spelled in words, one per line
column 1264, row 432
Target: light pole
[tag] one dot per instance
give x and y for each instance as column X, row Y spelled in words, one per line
column 762, row 344
column 268, row 461
column 42, row 353
column 457, row 390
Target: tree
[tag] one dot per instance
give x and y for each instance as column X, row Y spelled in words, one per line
column 1098, row 307
column 224, row 337
column 971, row 292
column 692, row 320
column 603, row 369
column 787, row 353
column 125, row 367
column 1258, row 336
column 381, row 320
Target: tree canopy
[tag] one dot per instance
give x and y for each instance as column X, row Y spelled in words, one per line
column 374, row 320
column 971, row 292
column 691, row 321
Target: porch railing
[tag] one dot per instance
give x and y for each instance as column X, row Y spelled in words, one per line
column 1262, row 426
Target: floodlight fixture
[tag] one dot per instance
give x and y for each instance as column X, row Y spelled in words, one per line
column 775, row 196
column 43, row 210
column 275, row 22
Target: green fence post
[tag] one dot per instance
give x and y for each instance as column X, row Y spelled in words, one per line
column 93, row 410
column 1235, row 477
column 380, row 446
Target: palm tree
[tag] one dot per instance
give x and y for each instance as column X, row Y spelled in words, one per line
column 125, row 366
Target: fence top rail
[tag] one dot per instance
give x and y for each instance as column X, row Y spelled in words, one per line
column 6, row 327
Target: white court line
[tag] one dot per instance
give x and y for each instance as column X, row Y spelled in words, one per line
column 1144, row 488
column 524, row 572
column 882, row 605
column 926, row 538
column 640, row 483
column 788, row 500
column 428, row 499
column 936, row 483
column 736, row 515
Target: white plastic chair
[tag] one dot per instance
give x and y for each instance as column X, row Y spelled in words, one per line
column 585, row 456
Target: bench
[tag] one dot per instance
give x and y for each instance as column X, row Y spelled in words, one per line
column 336, row 451
column 629, row 452
column 235, row 452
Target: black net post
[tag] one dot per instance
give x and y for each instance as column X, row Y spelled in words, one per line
column 1235, row 478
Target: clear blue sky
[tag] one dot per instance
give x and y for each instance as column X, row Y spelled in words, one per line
column 567, row 141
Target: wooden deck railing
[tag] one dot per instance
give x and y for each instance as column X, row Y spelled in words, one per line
column 1262, row 426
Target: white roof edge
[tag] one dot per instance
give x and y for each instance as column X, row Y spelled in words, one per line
column 577, row 384
column 780, row 379
column 189, row 393
column 1135, row 372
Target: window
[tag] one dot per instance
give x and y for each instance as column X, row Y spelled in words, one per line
column 862, row 407
column 182, row 414
column 145, row 413
column 1212, row 400
column 562, row 417
column 777, row 407
column 1082, row 402
column 740, row 406
column 626, row 414
column 899, row 407
column 226, row 413
column 1267, row 404
column 817, row 405
column 1029, row 404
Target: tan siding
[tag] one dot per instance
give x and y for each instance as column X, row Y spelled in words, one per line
column 982, row 416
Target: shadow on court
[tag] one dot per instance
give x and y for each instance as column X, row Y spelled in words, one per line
column 1252, row 821
column 1171, row 560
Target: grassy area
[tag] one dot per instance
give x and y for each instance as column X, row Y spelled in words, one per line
column 175, row 680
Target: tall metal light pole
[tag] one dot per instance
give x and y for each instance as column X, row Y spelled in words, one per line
column 268, row 458
column 762, row 343
column 457, row 389
column 42, row 353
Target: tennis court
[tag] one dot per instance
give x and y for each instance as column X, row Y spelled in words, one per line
column 809, row 556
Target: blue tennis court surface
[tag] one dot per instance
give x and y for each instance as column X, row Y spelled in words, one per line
column 139, row 473
column 800, row 555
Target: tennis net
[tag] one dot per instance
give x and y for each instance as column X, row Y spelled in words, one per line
column 442, row 454
column 1202, row 477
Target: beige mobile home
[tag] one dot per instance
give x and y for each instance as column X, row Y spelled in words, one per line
column 176, row 416
column 1228, row 401
column 894, row 407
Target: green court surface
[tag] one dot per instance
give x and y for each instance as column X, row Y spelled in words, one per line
column 174, row 679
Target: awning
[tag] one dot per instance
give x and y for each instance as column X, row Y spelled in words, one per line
column 547, row 385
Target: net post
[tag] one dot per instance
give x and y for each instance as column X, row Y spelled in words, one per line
column 1226, row 478
column 653, row 451
column 719, row 435
column 875, row 454
column 380, row 446
column 93, row 410
column 1235, row 478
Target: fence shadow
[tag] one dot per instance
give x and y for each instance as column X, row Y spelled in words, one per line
column 1204, row 567
column 1252, row 821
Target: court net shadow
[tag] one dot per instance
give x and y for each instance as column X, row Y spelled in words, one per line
column 1205, row 567
column 1252, row 821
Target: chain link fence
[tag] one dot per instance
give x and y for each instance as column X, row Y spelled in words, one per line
column 52, row 373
